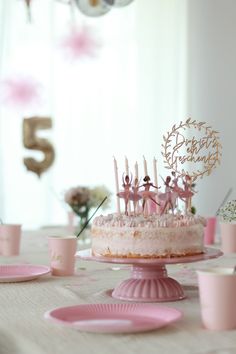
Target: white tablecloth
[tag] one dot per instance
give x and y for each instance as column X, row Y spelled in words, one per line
column 23, row 328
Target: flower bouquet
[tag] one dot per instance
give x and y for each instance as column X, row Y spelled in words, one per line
column 83, row 200
column 227, row 216
column 227, row 213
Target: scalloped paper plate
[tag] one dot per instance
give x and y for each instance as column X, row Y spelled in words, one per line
column 114, row 318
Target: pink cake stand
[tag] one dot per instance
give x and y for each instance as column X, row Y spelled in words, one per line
column 149, row 281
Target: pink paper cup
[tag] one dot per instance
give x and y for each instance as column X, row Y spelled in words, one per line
column 10, row 237
column 228, row 237
column 209, row 230
column 217, row 291
column 62, row 254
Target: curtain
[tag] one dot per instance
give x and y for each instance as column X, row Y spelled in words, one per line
column 211, row 90
column 118, row 102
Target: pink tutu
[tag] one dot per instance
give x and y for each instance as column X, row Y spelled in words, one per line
column 163, row 197
column 135, row 197
column 186, row 194
column 147, row 195
column 124, row 195
column 178, row 190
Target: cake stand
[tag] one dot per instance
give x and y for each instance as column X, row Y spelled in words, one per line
column 149, row 281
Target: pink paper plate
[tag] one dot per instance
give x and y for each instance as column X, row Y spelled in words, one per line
column 114, row 318
column 21, row 272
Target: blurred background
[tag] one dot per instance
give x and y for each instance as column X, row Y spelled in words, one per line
column 110, row 82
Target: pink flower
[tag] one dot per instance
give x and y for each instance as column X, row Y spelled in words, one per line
column 80, row 43
column 19, row 91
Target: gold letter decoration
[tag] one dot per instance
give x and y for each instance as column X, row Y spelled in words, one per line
column 33, row 142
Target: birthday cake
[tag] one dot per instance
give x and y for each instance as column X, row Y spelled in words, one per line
column 152, row 236
column 155, row 223
column 152, row 226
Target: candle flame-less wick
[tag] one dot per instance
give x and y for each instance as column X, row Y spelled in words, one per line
column 91, row 216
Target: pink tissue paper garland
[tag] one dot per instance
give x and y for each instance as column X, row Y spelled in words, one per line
column 20, row 92
column 80, row 43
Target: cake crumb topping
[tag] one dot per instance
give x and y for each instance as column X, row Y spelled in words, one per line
column 149, row 221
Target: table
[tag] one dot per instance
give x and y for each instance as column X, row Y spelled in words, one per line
column 24, row 330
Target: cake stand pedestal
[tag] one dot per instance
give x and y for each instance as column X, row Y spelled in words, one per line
column 149, row 281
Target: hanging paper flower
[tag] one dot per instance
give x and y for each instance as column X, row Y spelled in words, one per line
column 20, row 92
column 80, row 43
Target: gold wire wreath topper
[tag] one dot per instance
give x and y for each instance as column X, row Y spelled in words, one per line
column 192, row 145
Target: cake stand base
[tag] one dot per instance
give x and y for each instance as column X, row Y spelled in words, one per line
column 149, row 284
column 149, row 281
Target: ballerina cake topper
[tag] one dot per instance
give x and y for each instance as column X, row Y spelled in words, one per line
column 133, row 191
column 190, row 150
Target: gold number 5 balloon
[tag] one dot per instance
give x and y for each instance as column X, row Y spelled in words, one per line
column 33, row 142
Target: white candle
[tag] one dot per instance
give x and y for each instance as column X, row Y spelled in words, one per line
column 158, row 210
column 117, row 186
column 136, row 170
column 126, row 166
column 155, row 171
column 127, row 174
column 145, row 166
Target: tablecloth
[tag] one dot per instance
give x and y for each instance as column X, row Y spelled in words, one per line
column 24, row 330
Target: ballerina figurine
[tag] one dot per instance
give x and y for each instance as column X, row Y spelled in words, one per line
column 126, row 193
column 146, row 194
column 176, row 187
column 168, row 197
column 177, row 190
column 187, row 193
column 135, row 196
